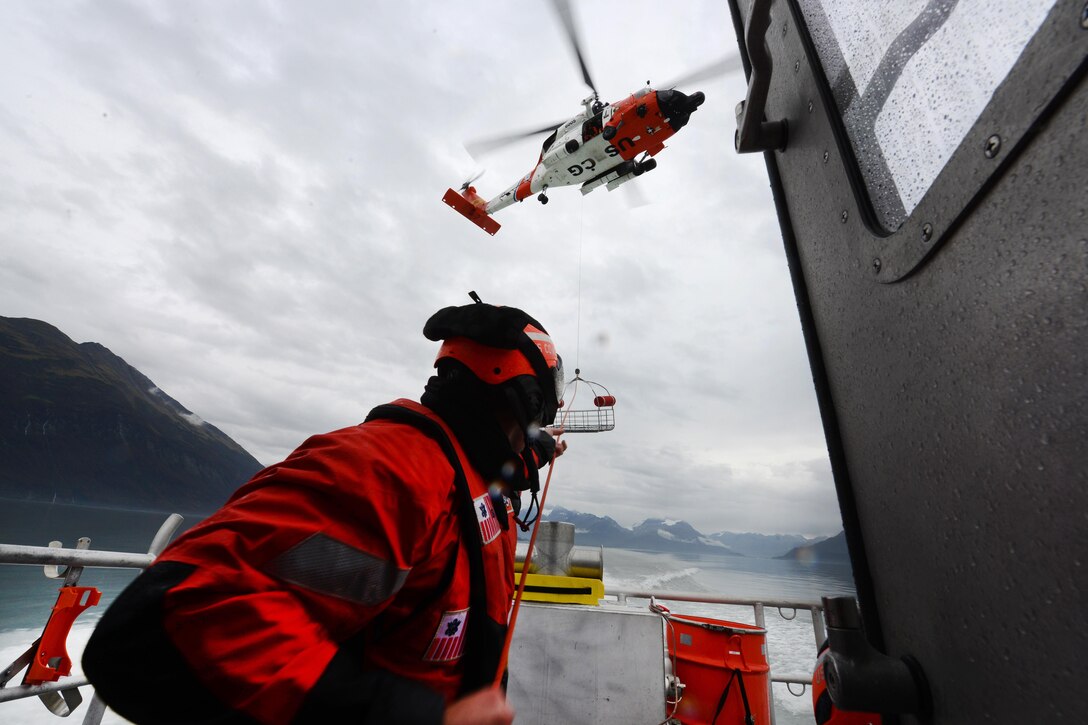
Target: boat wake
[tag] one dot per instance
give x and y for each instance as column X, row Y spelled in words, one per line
column 675, row 580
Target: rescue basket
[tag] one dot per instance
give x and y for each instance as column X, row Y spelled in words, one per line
column 597, row 418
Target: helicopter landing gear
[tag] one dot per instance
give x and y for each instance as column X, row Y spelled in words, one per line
column 542, row 197
column 644, row 166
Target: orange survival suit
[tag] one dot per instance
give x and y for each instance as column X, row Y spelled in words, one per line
column 321, row 592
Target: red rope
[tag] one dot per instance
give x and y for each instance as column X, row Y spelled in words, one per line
column 525, row 570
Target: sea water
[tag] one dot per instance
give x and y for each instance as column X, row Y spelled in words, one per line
column 27, row 596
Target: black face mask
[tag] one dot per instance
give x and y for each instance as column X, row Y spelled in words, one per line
column 468, row 407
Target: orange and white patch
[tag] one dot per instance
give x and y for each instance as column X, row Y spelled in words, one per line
column 449, row 639
column 485, row 516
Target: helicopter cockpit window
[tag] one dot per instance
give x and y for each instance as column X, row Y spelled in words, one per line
column 592, row 127
column 910, row 78
column 549, row 141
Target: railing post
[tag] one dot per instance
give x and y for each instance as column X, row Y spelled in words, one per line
column 818, row 627
column 95, row 710
column 164, row 534
column 761, row 622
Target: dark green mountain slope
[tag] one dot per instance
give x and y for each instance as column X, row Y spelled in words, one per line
column 829, row 550
column 80, row 424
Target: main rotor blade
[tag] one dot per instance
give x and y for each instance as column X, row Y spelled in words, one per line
column 482, row 146
column 719, row 67
column 562, row 9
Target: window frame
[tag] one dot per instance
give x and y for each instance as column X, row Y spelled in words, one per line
column 1042, row 76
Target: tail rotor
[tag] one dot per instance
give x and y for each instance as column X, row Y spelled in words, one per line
column 471, row 205
column 471, row 180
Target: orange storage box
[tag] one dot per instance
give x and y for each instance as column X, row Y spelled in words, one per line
column 713, row 655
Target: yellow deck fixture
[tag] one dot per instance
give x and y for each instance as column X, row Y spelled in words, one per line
column 563, row 589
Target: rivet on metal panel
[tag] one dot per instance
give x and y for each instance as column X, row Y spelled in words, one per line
column 845, row 216
column 877, row 264
column 810, row 106
column 993, row 145
column 927, row 232
column 785, row 27
column 796, row 66
column 826, row 156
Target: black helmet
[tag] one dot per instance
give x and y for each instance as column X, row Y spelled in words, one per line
column 505, row 348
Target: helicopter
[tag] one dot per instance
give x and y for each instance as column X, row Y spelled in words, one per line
column 606, row 144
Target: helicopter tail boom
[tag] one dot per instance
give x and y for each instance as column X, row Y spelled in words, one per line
column 469, row 205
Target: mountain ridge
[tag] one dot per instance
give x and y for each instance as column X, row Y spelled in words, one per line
column 81, row 425
column 665, row 535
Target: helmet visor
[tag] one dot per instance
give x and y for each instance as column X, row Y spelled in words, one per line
column 560, row 382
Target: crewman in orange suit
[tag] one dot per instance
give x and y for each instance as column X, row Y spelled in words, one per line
column 368, row 577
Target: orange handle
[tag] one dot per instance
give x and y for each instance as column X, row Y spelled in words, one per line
column 51, row 661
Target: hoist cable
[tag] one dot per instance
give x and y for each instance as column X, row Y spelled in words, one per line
column 578, row 328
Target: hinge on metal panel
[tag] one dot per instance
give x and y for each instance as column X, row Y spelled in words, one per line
column 860, row 677
column 753, row 133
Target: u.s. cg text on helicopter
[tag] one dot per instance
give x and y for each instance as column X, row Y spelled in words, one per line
column 605, row 144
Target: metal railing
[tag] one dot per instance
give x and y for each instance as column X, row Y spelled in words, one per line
column 819, row 631
column 54, row 556
column 759, row 607
column 75, row 560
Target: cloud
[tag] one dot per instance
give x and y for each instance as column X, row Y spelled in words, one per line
column 243, row 202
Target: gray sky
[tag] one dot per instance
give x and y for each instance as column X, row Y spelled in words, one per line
column 242, row 200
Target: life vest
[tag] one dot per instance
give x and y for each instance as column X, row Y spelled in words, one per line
column 490, row 540
column 367, row 571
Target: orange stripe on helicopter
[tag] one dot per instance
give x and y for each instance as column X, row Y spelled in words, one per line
column 525, row 188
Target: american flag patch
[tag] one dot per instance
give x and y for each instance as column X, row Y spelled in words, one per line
column 485, row 515
column 449, row 638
